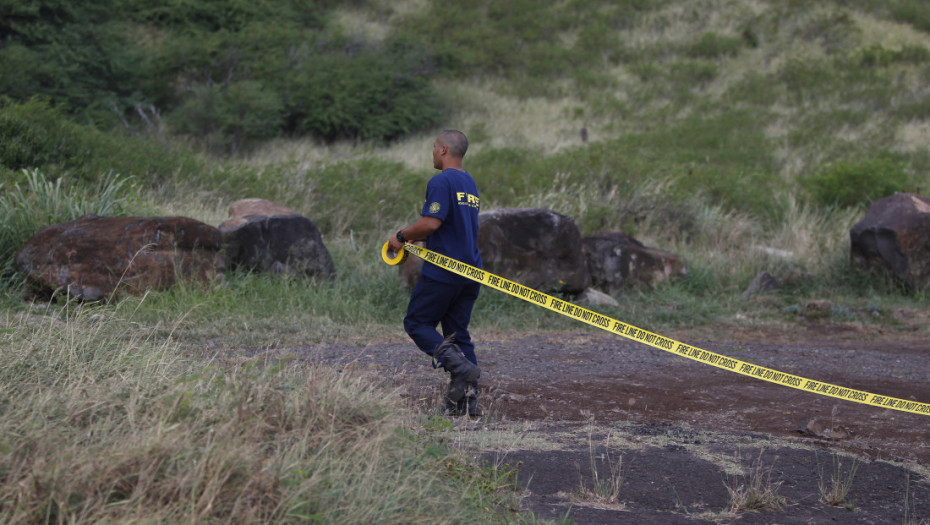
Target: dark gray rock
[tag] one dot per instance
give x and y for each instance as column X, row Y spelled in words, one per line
column 616, row 260
column 538, row 248
column 894, row 236
column 763, row 283
column 264, row 236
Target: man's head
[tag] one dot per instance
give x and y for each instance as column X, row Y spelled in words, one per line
column 449, row 148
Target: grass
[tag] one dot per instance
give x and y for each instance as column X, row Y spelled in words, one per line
column 107, row 420
column 755, row 490
column 909, row 503
column 603, row 489
column 836, row 491
column 259, row 310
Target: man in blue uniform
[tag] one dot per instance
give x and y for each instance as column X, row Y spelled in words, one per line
column 449, row 224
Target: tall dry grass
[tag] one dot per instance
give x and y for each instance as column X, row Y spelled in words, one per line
column 107, row 421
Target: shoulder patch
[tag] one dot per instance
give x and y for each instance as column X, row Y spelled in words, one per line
column 434, row 207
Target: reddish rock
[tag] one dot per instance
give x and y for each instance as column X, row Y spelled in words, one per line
column 409, row 270
column 95, row 257
column 241, row 210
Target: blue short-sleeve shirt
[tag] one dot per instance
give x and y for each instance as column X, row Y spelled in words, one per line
column 452, row 197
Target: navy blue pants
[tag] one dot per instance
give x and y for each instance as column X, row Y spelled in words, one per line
column 435, row 303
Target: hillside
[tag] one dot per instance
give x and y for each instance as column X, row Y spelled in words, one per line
column 744, row 135
column 710, row 128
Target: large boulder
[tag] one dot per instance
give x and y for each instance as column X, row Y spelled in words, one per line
column 93, row 257
column 616, row 260
column 894, row 236
column 534, row 247
column 262, row 235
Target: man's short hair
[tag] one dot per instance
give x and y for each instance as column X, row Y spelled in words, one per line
column 456, row 141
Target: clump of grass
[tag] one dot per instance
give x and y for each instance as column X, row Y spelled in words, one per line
column 755, row 490
column 835, row 491
column 909, row 505
column 602, row 489
column 107, row 420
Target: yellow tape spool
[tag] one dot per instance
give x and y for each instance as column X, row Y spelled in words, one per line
column 397, row 259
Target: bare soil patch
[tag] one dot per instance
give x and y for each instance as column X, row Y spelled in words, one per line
column 584, row 412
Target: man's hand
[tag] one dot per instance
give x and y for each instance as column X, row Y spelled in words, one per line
column 395, row 245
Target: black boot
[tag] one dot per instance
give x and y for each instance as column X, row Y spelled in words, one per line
column 463, row 371
column 473, row 409
column 468, row 405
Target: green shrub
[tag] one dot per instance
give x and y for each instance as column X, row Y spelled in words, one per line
column 711, row 46
column 34, row 134
column 270, row 80
column 229, row 115
column 77, row 54
column 28, row 65
column 877, row 55
column 100, row 59
column 691, row 73
column 278, row 68
column 198, row 16
column 853, row 183
column 523, row 37
column 227, row 72
column 374, row 95
column 913, row 12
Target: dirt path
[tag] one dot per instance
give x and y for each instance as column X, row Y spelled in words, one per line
column 605, row 430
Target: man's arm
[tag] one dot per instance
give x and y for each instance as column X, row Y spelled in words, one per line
column 415, row 232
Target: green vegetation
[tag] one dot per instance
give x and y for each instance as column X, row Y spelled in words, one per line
column 36, row 134
column 745, row 136
column 857, row 183
column 226, row 72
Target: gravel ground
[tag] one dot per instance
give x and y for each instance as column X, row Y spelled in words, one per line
column 683, row 436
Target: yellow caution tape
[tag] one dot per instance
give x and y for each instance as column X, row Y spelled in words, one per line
column 655, row 340
column 397, row 259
